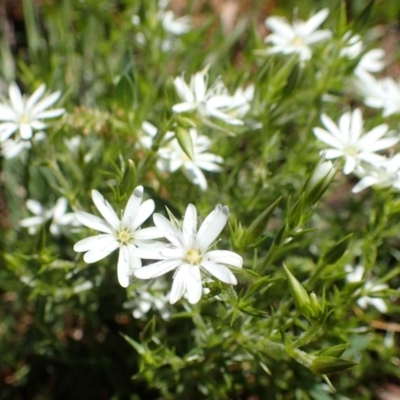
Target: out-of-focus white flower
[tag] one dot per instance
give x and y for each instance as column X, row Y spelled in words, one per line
column 348, row 140
column 188, row 253
column 366, row 292
column 371, row 62
column 61, row 221
column 124, row 234
column 151, row 295
column 174, row 25
column 172, row 157
column 11, row 148
column 207, row 102
column 382, row 93
column 297, row 37
column 383, row 175
column 24, row 115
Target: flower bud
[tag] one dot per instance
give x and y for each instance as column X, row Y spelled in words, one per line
column 327, row 365
column 319, row 181
column 300, row 296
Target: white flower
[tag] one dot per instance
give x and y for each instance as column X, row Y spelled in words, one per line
column 298, row 37
column 172, row 157
column 11, row 148
column 208, row 102
column 383, row 175
column 124, row 234
column 383, row 93
column 188, row 253
column 173, row 25
column 26, row 114
column 60, row 219
column 151, row 295
column 369, row 288
column 371, row 62
column 349, row 141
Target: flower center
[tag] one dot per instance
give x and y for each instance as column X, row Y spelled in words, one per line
column 24, row 119
column 124, row 235
column 351, row 150
column 193, row 256
column 297, row 41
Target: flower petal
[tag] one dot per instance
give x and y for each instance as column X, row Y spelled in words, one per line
column 105, row 246
column 105, row 209
column 173, row 234
column 93, row 222
column 127, row 262
column 90, row 242
column 156, row 269
column 189, row 228
column 225, row 257
column 132, row 206
column 212, row 227
column 221, row 272
column 145, row 210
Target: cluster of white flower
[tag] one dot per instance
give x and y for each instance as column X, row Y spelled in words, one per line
column 172, row 26
column 188, row 251
column 61, row 221
column 171, row 157
column 213, row 101
column 21, row 116
column 348, row 140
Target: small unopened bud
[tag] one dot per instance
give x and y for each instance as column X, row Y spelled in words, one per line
column 319, row 181
column 300, row 296
column 328, row 365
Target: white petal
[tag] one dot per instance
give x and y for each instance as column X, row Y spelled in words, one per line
column 156, row 269
column 195, row 175
column 327, row 138
column 105, row 209
column 344, row 126
column 46, row 102
column 16, row 99
column 199, row 87
column 315, row 21
column 356, row 125
column 34, row 207
column 25, row 131
column 92, row 242
column 60, row 207
column 350, row 164
column 132, row 206
column 173, row 234
column 159, row 252
column 144, row 212
column 148, row 233
column 127, row 262
column 35, row 96
column 93, row 222
column 7, row 129
column 225, row 257
column 221, row 272
column 183, row 90
column 212, row 227
column 183, row 107
column 374, row 134
column 105, row 246
column 50, row 113
column 189, row 229
column 318, row 36
column 364, row 183
column 280, row 27
column 194, row 287
column 32, row 221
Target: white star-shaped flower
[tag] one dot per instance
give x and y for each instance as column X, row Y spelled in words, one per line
column 380, row 93
column 383, row 175
column 289, row 38
column 207, row 102
column 369, row 288
column 189, row 253
column 124, row 234
column 371, row 62
column 348, row 140
column 60, row 219
column 26, row 114
column 172, row 157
